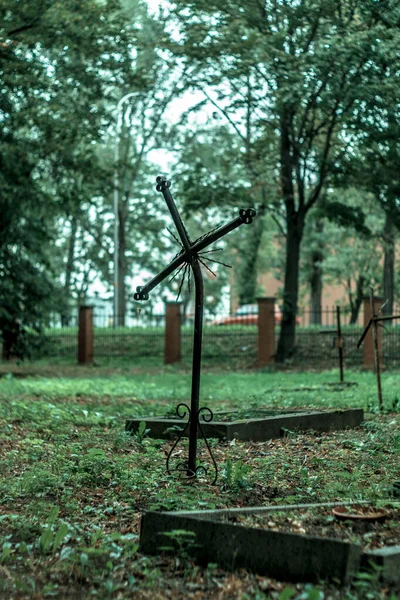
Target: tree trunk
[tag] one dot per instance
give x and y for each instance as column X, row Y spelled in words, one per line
column 355, row 303
column 123, row 213
column 10, row 333
column 388, row 267
column 121, row 290
column 316, row 291
column 65, row 316
column 295, row 228
column 291, row 288
column 247, row 280
column 316, row 280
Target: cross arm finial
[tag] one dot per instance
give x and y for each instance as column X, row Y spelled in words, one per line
column 163, row 186
column 190, row 250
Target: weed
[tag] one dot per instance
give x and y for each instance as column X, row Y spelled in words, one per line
column 52, row 537
column 141, row 432
column 121, row 439
column 235, row 475
column 6, row 552
column 366, row 584
column 287, row 593
column 101, row 553
column 95, row 467
column 38, row 481
column 183, row 544
column 287, row 433
column 62, row 442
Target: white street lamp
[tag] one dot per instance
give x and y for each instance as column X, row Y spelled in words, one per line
column 116, row 202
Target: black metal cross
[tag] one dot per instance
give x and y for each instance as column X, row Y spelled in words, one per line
column 375, row 321
column 189, row 256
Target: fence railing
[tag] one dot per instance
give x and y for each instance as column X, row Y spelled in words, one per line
column 245, row 340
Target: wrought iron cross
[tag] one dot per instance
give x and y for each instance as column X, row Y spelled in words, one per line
column 375, row 321
column 189, row 256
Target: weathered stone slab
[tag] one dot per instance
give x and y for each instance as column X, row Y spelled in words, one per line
column 388, row 559
column 273, row 425
column 220, row 513
column 285, row 556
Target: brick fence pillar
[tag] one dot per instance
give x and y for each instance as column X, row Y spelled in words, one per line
column 266, row 331
column 85, row 335
column 172, row 345
column 368, row 343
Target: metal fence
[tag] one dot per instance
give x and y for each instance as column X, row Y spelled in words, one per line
column 144, row 337
column 224, row 342
column 61, row 340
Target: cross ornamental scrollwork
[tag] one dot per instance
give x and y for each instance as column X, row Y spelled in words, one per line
column 190, row 256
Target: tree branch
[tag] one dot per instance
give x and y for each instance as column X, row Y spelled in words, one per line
column 97, row 238
column 23, row 28
column 313, row 32
column 226, row 115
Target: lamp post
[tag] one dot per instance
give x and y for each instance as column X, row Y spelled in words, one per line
column 116, row 203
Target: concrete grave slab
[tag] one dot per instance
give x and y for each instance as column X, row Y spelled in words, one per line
column 270, row 424
column 388, row 559
column 284, row 556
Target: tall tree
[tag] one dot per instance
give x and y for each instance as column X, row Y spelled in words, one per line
column 353, row 254
column 224, row 165
column 316, row 68
column 144, row 129
column 56, row 64
column 313, row 269
column 374, row 168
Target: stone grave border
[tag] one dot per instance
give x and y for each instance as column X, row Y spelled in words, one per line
column 259, row 429
column 283, row 556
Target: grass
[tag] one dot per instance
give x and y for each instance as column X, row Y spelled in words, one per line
column 219, row 390
column 73, row 484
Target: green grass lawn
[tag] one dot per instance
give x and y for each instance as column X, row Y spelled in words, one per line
column 73, row 484
column 219, row 390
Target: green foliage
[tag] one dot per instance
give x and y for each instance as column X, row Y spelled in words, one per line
column 56, row 79
column 121, row 439
column 182, row 542
column 71, row 399
column 287, row 593
column 104, row 551
column 310, row 592
column 235, row 475
column 366, row 583
column 320, row 67
column 95, row 467
column 6, row 552
column 52, row 538
column 141, row 432
column 39, row 481
column 65, row 454
column 344, row 237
